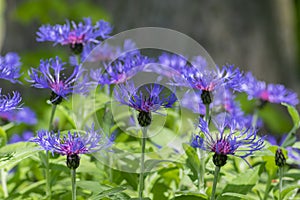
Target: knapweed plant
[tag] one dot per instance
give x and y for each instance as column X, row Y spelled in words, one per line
column 121, row 122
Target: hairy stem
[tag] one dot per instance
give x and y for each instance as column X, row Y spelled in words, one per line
column 217, row 171
column 280, row 181
column 141, row 181
column 268, row 185
column 201, row 171
column 48, row 178
column 73, row 177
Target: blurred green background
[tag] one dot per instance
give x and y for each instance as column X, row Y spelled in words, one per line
column 258, row 36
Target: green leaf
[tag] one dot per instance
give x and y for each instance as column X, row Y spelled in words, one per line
column 150, row 164
column 191, row 197
column 291, row 137
column 193, row 161
column 270, row 161
column 108, row 193
column 288, row 189
column 294, row 114
column 242, row 184
column 296, row 145
column 92, row 186
column 67, row 113
column 20, row 151
column 242, row 196
column 3, row 137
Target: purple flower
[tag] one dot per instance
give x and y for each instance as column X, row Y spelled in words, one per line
column 27, row 135
column 106, row 52
column 23, row 115
column 73, row 144
column 10, row 67
column 120, row 70
column 177, row 62
column 75, row 34
column 8, row 102
column 147, row 98
column 50, row 75
column 230, row 139
column 273, row 93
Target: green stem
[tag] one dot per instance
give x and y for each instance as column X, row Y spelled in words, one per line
column 217, row 171
column 207, row 113
column 4, row 182
column 254, row 118
column 141, row 182
column 201, row 170
column 52, row 116
column 280, row 181
column 269, row 181
column 73, row 176
column 48, row 178
column 8, row 126
column 48, row 184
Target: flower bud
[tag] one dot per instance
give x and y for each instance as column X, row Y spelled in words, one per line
column 219, row 159
column 144, row 118
column 280, row 160
column 73, row 161
column 206, row 97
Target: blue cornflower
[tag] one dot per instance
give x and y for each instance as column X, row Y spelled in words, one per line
column 50, row 75
column 73, row 143
column 199, row 76
column 75, row 35
column 120, row 70
column 145, row 99
column 273, row 93
column 229, row 140
column 23, row 115
column 10, row 67
column 26, row 136
column 8, row 102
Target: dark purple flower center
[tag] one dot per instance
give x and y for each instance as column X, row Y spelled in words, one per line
column 222, row 146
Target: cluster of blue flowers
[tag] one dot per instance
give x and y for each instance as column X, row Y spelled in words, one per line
column 211, row 91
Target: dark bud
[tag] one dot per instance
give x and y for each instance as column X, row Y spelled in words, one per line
column 206, row 97
column 73, row 161
column 219, row 159
column 76, row 48
column 55, row 99
column 280, row 160
column 144, row 118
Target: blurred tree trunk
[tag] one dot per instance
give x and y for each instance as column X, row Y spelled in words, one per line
column 2, row 23
column 256, row 35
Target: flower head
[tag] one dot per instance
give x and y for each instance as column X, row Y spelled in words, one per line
column 50, row 75
column 273, row 93
column 120, row 70
column 10, row 102
column 73, row 143
column 10, row 67
column 75, row 35
column 26, row 135
column 145, row 99
column 230, row 139
column 24, row 115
